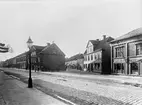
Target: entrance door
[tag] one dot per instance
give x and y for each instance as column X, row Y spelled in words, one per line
column 92, row 67
column 119, row 68
column 134, row 68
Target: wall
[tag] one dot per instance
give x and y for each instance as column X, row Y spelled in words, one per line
column 53, row 62
column 106, row 59
column 132, row 49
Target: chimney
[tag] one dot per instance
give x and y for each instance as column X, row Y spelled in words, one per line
column 104, row 37
column 48, row 44
column 97, row 39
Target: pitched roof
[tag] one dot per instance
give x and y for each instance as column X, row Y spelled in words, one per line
column 75, row 57
column 94, row 42
column 29, row 40
column 98, row 44
column 47, row 48
column 102, row 43
column 130, row 34
column 21, row 54
column 39, row 48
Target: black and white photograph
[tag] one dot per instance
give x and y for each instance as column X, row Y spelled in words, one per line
column 70, row 52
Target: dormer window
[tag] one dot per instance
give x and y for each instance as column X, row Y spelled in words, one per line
column 89, row 48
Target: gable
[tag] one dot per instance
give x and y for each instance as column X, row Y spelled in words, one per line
column 33, row 48
column 37, row 48
column 89, row 44
column 53, row 49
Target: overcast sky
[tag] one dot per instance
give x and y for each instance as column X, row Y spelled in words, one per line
column 69, row 23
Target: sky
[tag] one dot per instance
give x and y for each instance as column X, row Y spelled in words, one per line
column 68, row 23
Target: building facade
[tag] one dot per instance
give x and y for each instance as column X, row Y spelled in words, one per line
column 10, row 63
column 75, row 62
column 97, row 56
column 44, row 58
column 126, row 53
column 21, row 61
column 35, row 57
column 52, row 58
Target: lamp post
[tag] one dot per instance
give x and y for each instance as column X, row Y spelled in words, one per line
column 29, row 44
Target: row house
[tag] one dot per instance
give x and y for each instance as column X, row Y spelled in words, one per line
column 21, row 61
column 45, row 58
column 9, row 63
column 126, row 53
column 97, row 56
column 75, row 62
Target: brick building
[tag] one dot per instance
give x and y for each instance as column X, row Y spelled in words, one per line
column 46, row 58
column 52, row 58
column 126, row 53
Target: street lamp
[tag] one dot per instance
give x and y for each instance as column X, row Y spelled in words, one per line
column 29, row 44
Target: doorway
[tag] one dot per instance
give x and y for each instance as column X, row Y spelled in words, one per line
column 134, row 68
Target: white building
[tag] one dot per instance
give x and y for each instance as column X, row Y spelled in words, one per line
column 97, row 55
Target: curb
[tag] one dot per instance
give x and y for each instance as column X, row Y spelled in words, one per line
column 133, row 84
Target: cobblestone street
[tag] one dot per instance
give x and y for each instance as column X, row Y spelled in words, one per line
column 15, row 92
column 109, row 93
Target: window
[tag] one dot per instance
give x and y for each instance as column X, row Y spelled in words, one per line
column 138, row 49
column 85, row 58
column 119, row 51
column 95, row 57
column 91, row 48
column 91, row 57
column 88, row 58
column 38, row 59
column 98, row 56
column 134, row 68
column 88, row 50
column 119, row 68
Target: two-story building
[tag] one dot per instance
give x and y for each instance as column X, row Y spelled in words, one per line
column 126, row 53
column 97, row 56
column 52, row 58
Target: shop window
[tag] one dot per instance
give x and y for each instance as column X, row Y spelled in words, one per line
column 97, row 66
column 119, row 68
column 134, row 68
